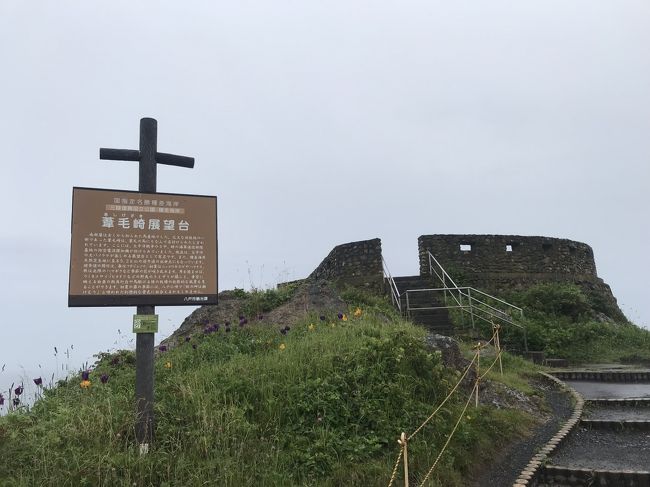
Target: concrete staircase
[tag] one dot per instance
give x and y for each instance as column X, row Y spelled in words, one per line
column 435, row 320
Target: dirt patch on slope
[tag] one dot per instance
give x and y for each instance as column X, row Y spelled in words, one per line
column 510, row 461
column 310, row 297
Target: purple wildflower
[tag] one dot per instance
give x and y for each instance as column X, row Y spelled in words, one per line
column 194, row 346
column 38, row 381
column 162, row 348
column 85, row 375
column 18, row 390
column 16, row 401
column 103, row 378
column 340, row 316
column 242, row 317
column 285, row 330
column 322, row 317
column 243, row 321
column 188, row 338
column 227, row 328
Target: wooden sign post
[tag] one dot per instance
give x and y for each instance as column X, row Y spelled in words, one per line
column 148, row 157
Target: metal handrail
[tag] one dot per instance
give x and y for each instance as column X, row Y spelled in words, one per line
column 474, row 306
column 464, row 308
column 497, row 299
column 394, row 292
column 495, row 313
column 444, row 272
column 466, row 292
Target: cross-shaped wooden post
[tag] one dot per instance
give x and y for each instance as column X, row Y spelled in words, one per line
column 148, row 157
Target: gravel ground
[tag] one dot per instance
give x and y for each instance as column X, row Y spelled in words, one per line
column 515, row 457
column 605, row 450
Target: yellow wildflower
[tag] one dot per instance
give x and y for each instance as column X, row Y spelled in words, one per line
column 85, row 384
column 282, row 346
column 311, row 327
column 168, row 365
column 357, row 312
column 345, row 317
column 332, row 325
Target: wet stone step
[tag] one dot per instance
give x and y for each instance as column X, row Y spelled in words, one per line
column 604, row 375
column 623, row 402
column 552, row 476
column 617, row 413
column 617, row 426
column 600, row 449
column 610, row 390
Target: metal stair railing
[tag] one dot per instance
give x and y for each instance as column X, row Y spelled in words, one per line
column 394, row 292
column 464, row 301
column 464, row 298
column 466, row 292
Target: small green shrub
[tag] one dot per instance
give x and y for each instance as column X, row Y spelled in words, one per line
column 371, row 302
column 258, row 301
column 559, row 300
column 559, row 320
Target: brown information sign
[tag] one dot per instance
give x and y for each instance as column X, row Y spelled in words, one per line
column 130, row 248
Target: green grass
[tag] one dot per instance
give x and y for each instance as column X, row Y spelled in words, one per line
column 517, row 371
column 239, row 409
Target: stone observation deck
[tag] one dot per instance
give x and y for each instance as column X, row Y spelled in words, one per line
column 493, row 263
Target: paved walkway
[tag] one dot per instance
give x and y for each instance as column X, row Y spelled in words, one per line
column 613, row 440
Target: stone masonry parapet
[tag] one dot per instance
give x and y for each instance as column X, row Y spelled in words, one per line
column 498, row 254
column 356, row 263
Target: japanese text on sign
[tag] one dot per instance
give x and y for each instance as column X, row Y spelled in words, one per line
column 130, row 247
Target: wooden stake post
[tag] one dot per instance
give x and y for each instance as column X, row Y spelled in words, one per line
column 478, row 369
column 404, row 442
column 148, row 157
column 497, row 342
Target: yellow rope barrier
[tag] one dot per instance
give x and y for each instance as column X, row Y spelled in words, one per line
column 444, row 401
column 478, row 348
column 492, row 338
column 404, row 439
column 493, row 364
column 426, row 477
column 394, row 474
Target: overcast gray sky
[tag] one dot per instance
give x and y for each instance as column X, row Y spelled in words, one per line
column 319, row 123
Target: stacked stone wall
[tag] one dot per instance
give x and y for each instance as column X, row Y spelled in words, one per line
column 354, row 263
column 508, row 254
column 502, row 263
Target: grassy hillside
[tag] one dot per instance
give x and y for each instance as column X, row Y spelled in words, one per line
column 321, row 404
